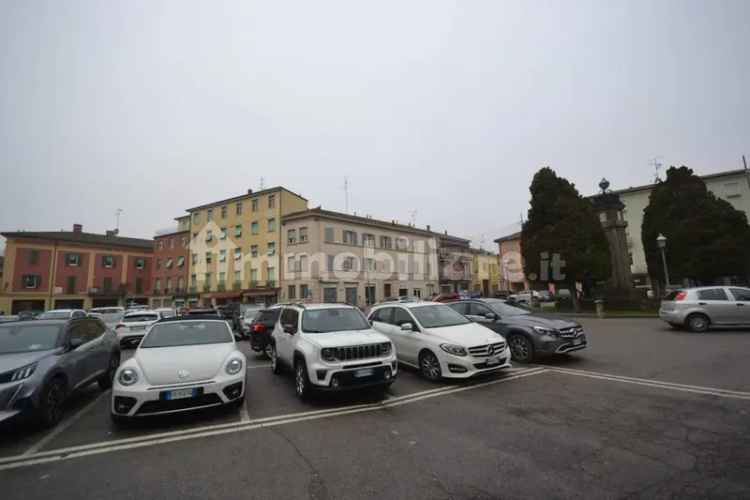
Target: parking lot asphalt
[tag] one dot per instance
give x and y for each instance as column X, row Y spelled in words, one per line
column 644, row 412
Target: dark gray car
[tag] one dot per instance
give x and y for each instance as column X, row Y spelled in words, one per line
column 42, row 362
column 528, row 335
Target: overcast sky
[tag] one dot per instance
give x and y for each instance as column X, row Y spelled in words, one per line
column 443, row 108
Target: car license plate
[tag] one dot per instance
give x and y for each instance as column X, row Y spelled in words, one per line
column 493, row 361
column 136, row 328
column 181, row 394
column 578, row 341
column 367, row 372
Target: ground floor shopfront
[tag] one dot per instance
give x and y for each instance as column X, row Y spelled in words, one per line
column 356, row 292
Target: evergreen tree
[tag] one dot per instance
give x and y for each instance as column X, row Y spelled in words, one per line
column 560, row 221
column 706, row 237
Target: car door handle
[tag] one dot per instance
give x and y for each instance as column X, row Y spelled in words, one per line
column 702, row 304
column 740, row 304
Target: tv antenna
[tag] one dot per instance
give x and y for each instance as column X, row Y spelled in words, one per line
column 657, row 166
column 117, row 216
column 346, row 195
column 413, row 216
column 262, row 182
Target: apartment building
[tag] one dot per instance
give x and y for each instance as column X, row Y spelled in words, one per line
column 455, row 259
column 170, row 274
column 485, row 278
column 511, row 274
column 337, row 257
column 74, row 269
column 235, row 245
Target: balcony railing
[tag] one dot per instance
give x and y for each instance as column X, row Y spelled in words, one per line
column 271, row 284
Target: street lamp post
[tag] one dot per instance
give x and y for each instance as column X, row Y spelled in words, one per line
column 661, row 241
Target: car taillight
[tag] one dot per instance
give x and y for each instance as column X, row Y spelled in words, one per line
column 680, row 296
column 258, row 328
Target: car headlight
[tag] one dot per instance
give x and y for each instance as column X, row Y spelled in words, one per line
column 456, row 350
column 385, row 348
column 545, row 331
column 128, row 376
column 23, row 373
column 328, row 354
column 234, row 366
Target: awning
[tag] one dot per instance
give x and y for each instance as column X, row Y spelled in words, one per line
column 222, row 295
column 260, row 292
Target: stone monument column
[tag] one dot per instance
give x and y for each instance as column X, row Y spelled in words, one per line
column 609, row 209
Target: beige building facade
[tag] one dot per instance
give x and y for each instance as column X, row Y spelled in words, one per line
column 336, row 257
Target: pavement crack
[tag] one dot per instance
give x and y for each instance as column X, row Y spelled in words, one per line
column 316, row 489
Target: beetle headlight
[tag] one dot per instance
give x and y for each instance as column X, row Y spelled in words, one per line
column 128, row 376
column 456, row 350
column 234, row 366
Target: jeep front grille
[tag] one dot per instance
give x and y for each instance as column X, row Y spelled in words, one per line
column 358, row 352
column 483, row 351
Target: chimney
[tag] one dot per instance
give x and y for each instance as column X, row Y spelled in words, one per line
column 77, row 228
column 428, row 227
column 249, row 191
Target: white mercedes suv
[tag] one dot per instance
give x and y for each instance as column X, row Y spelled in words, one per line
column 331, row 347
column 439, row 341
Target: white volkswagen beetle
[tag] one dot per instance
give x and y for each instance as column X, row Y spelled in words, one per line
column 181, row 365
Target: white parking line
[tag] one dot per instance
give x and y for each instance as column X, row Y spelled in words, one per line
column 711, row 391
column 152, row 440
column 62, row 426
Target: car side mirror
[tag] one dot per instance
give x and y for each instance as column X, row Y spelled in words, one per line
column 491, row 316
column 75, row 342
column 288, row 328
column 407, row 327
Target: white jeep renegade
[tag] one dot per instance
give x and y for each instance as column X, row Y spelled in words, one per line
column 331, row 347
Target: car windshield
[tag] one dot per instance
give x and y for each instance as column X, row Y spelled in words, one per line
column 333, row 320
column 187, row 333
column 54, row 315
column 438, row 316
column 138, row 318
column 251, row 313
column 504, row 309
column 28, row 337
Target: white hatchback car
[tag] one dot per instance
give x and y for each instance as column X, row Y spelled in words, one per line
column 181, row 365
column 133, row 326
column 439, row 341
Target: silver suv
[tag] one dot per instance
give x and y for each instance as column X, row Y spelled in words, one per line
column 331, row 347
column 700, row 308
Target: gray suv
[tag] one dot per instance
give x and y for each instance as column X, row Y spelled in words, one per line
column 43, row 361
column 700, row 308
column 528, row 335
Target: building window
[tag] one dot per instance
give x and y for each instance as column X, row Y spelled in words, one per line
column 222, row 278
column 107, row 284
column 329, row 236
column 196, row 216
column 33, row 257
column 271, row 248
column 180, row 261
column 222, row 255
column 330, row 295
column 254, row 227
column 73, row 259
column 254, row 204
column 208, row 279
column 70, row 285
column 140, row 263
column 237, row 277
column 157, row 285
column 209, row 235
column 139, row 286
column 208, row 257
column 370, row 264
column 291, row 236
column 195, row 258
column 237, row 253
column 180, row 283
column 368, row 240
column 253, row 275
column 223, row 233
column 292, row 292
column 210, row 214
column 350, row 238
column 31, row 280
column 184, row 242
column 271, row 201
column 168, row 264
column 386, row 242
column 290, row 264
column 161, row 245
column 169, row 285
column 330, row 259
column 238, row 230
column 732, row 190
column 193, row 280
column 195, row 236
column 304, row 291
column 238, row 208
column 401, row 244
column 302, row 234
column 253, row 250
column 223, row 211
column 349, row 264
column 271, row 225
column 271, row 274
column 302, row 263
column 158, row 263
column 171, row 242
